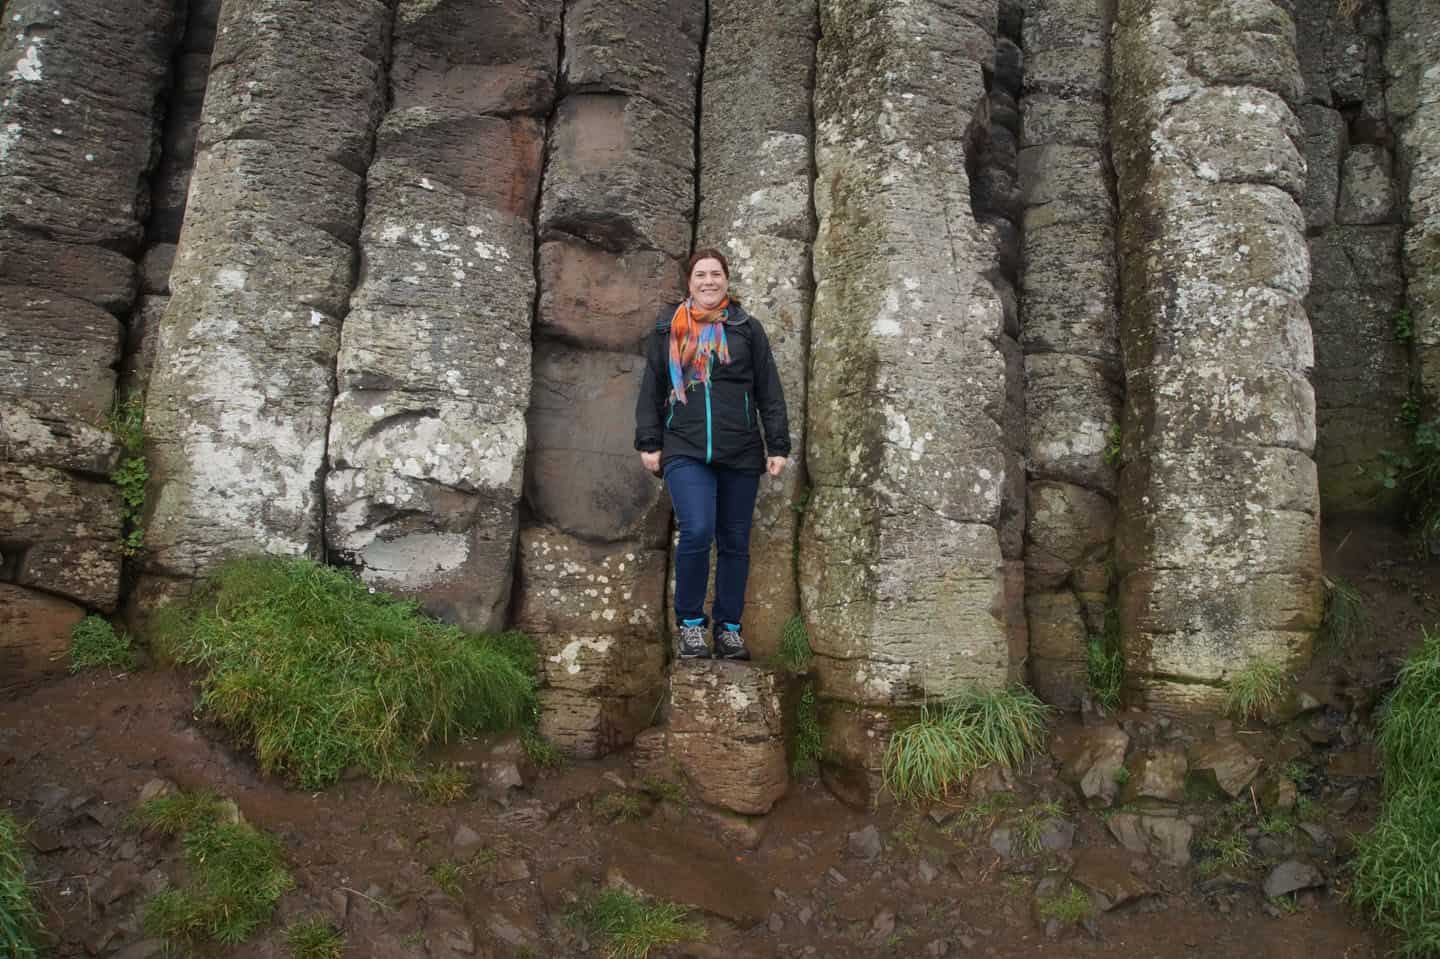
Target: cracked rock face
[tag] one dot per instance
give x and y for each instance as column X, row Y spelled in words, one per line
column 427, row 434
column 726, row 733
column 901, row 562
column 1219, row 544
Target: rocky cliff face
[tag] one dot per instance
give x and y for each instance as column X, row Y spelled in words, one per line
column 1083, row 310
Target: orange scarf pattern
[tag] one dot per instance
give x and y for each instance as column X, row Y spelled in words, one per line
column 696, row 338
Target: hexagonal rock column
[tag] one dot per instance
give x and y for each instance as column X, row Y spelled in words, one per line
column 917, row 497
column 1068, row 314
column 755, row 156
column 595, row 613
column 614, row 221
column 1218, row 539
column 1353, row 225
column 427, row 438
column 726, row 733
column 239, row 404
column 1414, row 101
column 79, row 85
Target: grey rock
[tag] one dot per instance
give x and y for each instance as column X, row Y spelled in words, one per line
column 866, row 843
column 1225, row 764
column 249, row 341
column 926, row 872
column 1106, row 873
column 1325, row 144
column 466, row 840
column 155, row 789
column 1157, row 773
column 1292, row 876
column 1100, row 756
column 1057, row 835
column 1367, row 186
column 68, row 529
column 726, row 734
column 1003, row 842
column 916, row 456
column 883, row 924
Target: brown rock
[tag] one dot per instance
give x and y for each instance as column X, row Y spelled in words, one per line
column 726, row 732
column 594, row 298
column 155, row 268
column 36, row 435
column 58, row 352
column 34, row 636
column 686, row 872
column 1277, row 793
column 1156, row 774
column 1224, row 763
column 91, row 273
column 61, row 534
column 1107, row 874
column 1097, row 761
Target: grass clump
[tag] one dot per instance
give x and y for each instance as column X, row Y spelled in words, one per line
column 19, row 919
column 953, row 739
column 1345, row 621
column 1230, row 852
column 1256, row 689
column 94, row 643
column 237, row 876
column 443, row 785
column 794, row 653
column 541, row 751
column 1105, row 663
column 1415, row 473
column 1397, row 865
column 179, row 813
column 314, row 938
column 629, row 928
column 809, row 738
column 320, row 674
column 1069, row 907
column 665, row 790
column 618, row 807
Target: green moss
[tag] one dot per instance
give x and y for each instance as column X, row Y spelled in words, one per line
column 127, row 422
column 95, row 644
column 809, row 746
column 314, row 938
column 629, row 928
column 320, row 674
column 794, row 653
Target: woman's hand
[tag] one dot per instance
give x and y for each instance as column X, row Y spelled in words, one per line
column 651, row 461
column 775, row 465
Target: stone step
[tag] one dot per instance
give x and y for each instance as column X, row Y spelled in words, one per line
column 725, row 733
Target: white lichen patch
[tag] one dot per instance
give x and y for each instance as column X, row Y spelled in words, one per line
column 29, row 68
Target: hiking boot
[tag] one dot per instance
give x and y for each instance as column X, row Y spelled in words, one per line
column 692, row 640
column 729, row 644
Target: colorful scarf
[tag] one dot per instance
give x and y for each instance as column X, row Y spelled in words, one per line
column 695, row 339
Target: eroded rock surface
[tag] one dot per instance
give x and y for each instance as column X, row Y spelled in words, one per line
column 1219, row 537
column 726, row 733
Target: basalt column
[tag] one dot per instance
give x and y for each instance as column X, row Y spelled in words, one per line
column 755, row 176
column 239, row 403
column 1413, row 61
column 1068, row 309
column 615, row 221
column 902, row 572
column 1218, row 539
column 78, row 127
column 427, row 440
column 1353, row 220
column 168, row 191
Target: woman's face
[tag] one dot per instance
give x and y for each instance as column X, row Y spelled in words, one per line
column 708, row 283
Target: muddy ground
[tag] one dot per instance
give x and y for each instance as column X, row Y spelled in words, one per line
column 75, row 755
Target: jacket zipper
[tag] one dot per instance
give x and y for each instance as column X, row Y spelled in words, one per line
column 747, row 411
column 709, row 445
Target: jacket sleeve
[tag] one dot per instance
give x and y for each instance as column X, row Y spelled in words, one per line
column 770, row 396
column 650, row 404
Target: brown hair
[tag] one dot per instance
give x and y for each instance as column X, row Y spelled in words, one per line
column 707, row 253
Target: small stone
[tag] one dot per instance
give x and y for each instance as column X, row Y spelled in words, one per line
column 777, row 922
column 937, row 948
column 967, row 942
column 883, row 924
column 1292, row 876
column 1002, row 840
column 43, row 840
column 466, row 839
column 804, row 915
column 866, row 843
column 926, row 872
column 511, row 870
column 501, row 777
column 1346, row 802
column 1318, row 834
column 1096, row 763
column 1277, row 793
column 157, row 788
column 836, row 876
column 1057, row 835
column 1156, row 774
column 1224, row 764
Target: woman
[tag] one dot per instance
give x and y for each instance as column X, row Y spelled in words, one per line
column 710, row 386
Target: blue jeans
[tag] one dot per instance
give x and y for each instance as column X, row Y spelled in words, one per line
column 712, row 504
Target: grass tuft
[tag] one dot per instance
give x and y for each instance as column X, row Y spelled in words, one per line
column 809, row 738
column 1070, row 907
column 542, row 752
column 794, row 653
column 19, row 919
column 1256, row 689
column 1397, row 864
column 443, row 785
column 94, row 643
column 618, row 807
column 237, row 876
column 1345, row 621
column 179, row 813
column 314, row 938
column 1229, row 852
column 320, row 674
column 629, row 927
column 950, row 741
